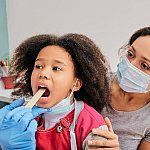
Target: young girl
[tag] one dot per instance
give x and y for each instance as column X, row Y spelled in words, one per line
column 72, row 70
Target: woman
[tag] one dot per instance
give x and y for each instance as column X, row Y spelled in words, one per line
column 130, row 96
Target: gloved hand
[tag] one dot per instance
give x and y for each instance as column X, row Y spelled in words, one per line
column 7, row 108
column 18, row 127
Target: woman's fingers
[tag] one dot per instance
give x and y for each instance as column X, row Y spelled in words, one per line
column 104, row 143
column 109, row 125
column 104, row 133
column 111, row 143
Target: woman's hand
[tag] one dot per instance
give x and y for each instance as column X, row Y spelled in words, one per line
column 111, row 143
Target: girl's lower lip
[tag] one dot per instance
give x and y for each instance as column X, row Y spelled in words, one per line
column 43, row 98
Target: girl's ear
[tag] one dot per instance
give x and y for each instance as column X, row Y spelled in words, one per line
column 78, row 84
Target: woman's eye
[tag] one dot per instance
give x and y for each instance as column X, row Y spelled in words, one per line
column 57, row 68
column 130, row 54
column 38, row 66
column 145, row 66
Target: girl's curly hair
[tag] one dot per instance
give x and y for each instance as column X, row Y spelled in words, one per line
column 90, row 66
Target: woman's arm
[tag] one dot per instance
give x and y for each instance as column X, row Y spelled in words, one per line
column 111, row 143
column 144, row 145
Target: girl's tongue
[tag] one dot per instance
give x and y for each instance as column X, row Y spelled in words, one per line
column 46, row 93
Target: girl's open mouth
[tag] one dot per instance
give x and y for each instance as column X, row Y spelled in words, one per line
column 46, row 93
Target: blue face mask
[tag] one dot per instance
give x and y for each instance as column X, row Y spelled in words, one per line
column 132, row 79
column 62, row 107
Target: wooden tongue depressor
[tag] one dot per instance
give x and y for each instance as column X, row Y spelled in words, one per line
column 35, row 98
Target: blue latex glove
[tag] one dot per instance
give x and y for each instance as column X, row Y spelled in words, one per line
column 8, row 108
column 18, row 127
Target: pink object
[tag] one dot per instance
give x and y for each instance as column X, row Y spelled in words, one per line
column 8, row 82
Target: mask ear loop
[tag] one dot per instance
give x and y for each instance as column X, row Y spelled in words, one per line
column 73, row 88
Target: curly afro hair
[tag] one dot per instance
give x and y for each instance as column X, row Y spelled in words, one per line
column 90, row 66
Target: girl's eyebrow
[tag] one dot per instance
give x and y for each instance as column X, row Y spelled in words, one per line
column 142, row 57
column 56, row 61
column 40, row 59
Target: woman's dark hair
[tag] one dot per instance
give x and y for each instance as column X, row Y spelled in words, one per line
column 90, row 66
column 141, row 32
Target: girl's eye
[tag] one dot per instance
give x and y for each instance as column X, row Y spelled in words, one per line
column 38, row 66
column 145, row 66
column 130, row 54
column 56, row 68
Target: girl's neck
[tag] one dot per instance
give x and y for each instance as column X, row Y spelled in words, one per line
column 52, row 118
column 125, row 101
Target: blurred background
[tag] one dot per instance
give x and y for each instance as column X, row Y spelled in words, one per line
column 108, row 23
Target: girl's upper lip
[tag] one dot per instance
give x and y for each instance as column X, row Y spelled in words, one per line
column 42, row 84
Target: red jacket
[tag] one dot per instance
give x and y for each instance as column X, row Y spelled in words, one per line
column 58, row 137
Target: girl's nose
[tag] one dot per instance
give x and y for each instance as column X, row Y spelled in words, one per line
column 42, row 76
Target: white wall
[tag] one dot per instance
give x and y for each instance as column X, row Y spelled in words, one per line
column 108, row 22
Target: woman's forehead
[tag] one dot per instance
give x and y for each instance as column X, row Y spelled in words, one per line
column 142, row 46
